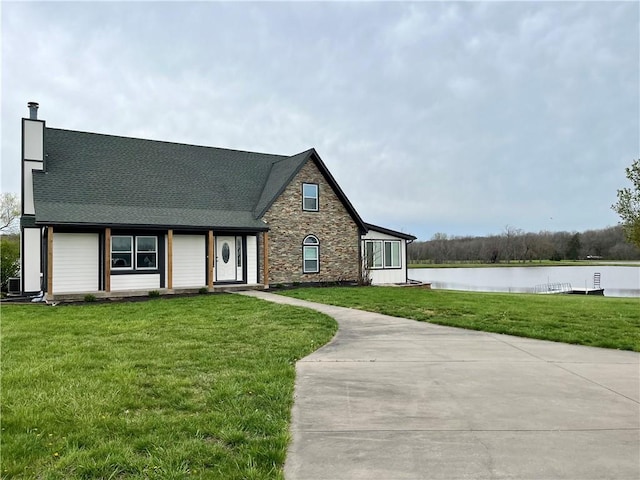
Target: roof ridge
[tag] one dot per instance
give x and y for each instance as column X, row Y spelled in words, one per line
column 282, row 157
column 288, row 157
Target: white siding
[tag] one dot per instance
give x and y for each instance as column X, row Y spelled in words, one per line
column 386, row 276
column 30, row 255
column 374, row 235
column 27, row 188
column 252, row 259
column 75, row 262
column 135, row 282
column 33, row 140
column 189, row 261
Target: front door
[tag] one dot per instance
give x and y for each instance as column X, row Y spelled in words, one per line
column 225, row 259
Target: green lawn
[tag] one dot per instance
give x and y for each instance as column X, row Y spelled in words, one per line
column 581, row 319
column 197, row 387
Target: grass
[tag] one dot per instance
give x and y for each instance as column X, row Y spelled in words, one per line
column 197, row 387
column 579, row 319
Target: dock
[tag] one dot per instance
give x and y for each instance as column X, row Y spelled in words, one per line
column 566, row 288
column 586, row 291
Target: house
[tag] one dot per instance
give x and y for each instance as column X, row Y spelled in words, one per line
column 112, row 215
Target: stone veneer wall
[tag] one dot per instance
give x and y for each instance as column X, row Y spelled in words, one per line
column 331, row 224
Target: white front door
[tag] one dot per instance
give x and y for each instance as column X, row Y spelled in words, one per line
column 225, row 259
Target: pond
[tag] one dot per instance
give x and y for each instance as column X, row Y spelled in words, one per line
column 617, row 281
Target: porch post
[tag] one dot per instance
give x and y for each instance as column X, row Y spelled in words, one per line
column 107, row 259
column 210, row 261
column 170, row 259
column 265, row 256
column 50, row 262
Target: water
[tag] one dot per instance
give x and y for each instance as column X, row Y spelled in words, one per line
column 617, row 281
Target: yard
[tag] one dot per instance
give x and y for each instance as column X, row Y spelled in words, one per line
column 198, row 387
column 202, row 387
column 580, row 319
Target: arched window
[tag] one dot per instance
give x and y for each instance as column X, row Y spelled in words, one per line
column 310, row 254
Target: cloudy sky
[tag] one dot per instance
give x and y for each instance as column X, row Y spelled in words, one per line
column 459, row 118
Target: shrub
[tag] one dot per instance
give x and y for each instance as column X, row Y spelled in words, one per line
column 154, row 294
column 89, row 298
column 203, row 290
column 10, row 261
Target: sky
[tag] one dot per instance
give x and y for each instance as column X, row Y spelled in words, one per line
column 460, row 118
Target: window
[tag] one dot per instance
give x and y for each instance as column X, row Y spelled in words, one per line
column 146, row 253
column 392, row 254
column 382, row 254
column 310, row 197
column 122, row 252
column 374, row 254
column 310, row 255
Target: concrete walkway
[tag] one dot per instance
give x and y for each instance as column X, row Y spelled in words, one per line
column 391, row 399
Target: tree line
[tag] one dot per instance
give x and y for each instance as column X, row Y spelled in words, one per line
column 514, row 244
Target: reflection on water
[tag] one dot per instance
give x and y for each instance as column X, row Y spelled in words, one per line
column 616, row 281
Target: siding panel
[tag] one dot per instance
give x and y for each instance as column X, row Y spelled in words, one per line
column 384, row 277
column 135, row 282
column 30, row 254
column 33, row 140
column 75, row 262
column 189, row 261
column 252, row 260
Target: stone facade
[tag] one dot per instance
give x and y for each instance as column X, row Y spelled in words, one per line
column 335, row 229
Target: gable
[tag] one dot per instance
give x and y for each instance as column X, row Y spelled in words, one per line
column 303, row 160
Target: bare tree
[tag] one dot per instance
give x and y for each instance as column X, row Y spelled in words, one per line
column 514, row 244
column 9, row 213
column 441, row 250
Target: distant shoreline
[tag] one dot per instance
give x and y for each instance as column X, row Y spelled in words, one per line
column 535, row 263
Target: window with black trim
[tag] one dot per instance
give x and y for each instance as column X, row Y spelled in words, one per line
column 130, row 252
column 310, row 197
column 310, row 254
column 146, row 253
column 382, row 254
column 122, row 252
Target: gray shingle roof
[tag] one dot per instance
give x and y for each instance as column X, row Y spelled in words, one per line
column 395, row 233
column 95, row 179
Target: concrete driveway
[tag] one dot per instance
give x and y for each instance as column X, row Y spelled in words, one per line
column 391, row 398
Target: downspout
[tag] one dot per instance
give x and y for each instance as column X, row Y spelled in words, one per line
column 406, row 269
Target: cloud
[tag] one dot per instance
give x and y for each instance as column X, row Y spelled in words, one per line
column 463, row 115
